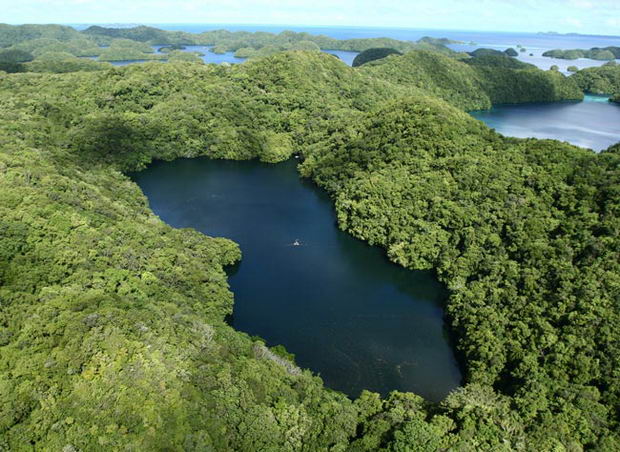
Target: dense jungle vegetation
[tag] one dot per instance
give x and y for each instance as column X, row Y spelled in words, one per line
column 476, row 83
column 113, row 330
column 599, row 80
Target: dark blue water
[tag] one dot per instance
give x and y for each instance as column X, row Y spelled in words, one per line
column 594, row 123
column 339, row 305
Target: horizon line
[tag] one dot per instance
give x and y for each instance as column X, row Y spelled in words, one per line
column 386, row 27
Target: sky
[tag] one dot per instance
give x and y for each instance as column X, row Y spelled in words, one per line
column 579, row 16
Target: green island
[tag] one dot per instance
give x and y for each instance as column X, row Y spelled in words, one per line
column 595, row 53
column 113, row 325
column 599, row 80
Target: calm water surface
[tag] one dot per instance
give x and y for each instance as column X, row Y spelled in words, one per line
column 594, row 123
column 346, row 56
column 336, row 303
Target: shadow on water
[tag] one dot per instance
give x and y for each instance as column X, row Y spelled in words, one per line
column 337, row 304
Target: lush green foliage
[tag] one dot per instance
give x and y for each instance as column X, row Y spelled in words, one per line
column 126, row 49
column 498, row 60
column 599, row 80
column 61, row 62
column 15, row 56
column 374, row 54
column 112, row 324
column 77, row 47
column 11, row 60
column 151, row 35
column 171, row 47
column 473, row 86
column 179, row 55
column 14, row 34
column 271, row 49
column 487, row 52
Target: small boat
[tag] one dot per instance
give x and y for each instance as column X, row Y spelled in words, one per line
column 296, row 242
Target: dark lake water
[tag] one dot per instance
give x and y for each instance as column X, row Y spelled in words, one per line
column 594, row 123
column 339, row 305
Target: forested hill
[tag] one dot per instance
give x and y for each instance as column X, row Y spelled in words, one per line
column 599, row 80
column 112, row 324
column 475, row 84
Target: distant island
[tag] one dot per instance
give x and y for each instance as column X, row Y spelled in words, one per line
column 555, row 33
column 595, row 53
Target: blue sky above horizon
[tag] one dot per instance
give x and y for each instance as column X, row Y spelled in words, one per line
column 579, row 16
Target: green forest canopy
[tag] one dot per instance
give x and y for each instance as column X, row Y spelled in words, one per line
column 112, row 324
column 599, row 80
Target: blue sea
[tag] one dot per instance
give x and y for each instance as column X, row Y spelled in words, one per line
column 533, row 43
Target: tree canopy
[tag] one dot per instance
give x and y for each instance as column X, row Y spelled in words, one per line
column 599, row 80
